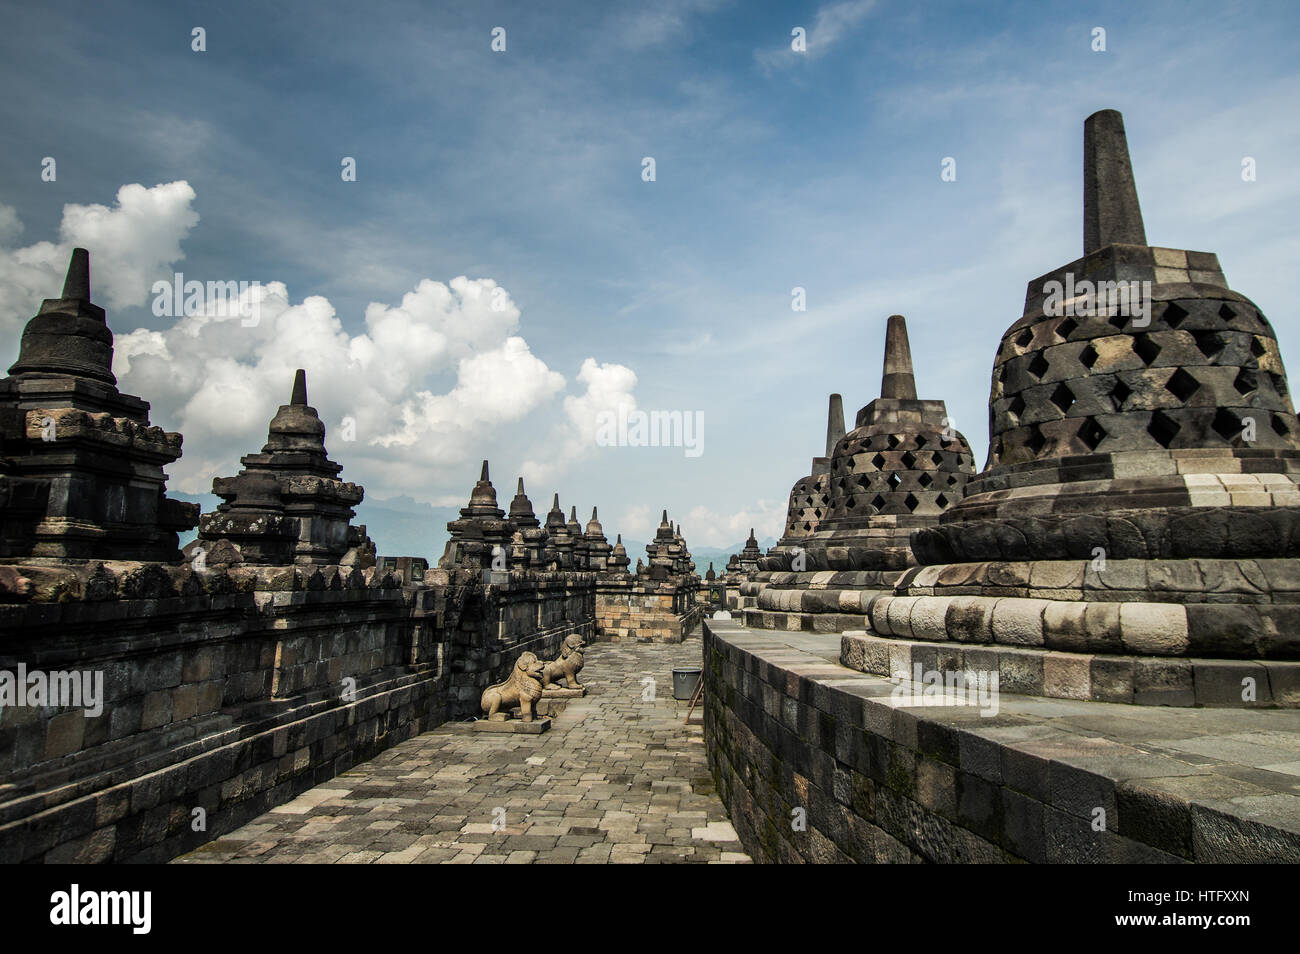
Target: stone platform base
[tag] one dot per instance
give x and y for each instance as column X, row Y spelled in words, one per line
column 1140, row 680
column 1039, row 780
column 804, row 622
column 514, row 726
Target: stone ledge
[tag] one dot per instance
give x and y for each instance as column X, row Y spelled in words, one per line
column 1142, row 680
column 787, row 726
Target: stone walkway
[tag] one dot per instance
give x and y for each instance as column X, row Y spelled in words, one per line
column 618, row 778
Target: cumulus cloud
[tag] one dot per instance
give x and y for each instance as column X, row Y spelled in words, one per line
column 608, row 387
column 225, row 378
column 130, row 244
column 410, row 395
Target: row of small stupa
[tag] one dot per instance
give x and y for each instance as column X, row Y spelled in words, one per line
column 488, row 538
column 1140, row 495
column 81, row 477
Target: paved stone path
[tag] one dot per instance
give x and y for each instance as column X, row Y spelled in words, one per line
column 618, row 778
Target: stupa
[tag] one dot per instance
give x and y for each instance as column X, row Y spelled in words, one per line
column 1138, row 521
column 288, row 504
column 82, row 468
column 897, row 471
column 482, row 535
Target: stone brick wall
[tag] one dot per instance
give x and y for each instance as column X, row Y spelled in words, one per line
column 787, row 728
column 504, row 620
column 220, row 706
column 646, row 611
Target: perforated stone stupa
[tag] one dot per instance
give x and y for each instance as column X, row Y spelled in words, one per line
column 901, row 466
column 1138, row 520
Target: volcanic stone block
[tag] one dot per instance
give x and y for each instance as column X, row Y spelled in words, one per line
column 1154, row 628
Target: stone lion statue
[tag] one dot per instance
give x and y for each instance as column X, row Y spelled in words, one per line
column 567, row 666
column 522, row 688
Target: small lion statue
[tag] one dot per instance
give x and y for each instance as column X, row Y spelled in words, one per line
column 522, row 687
column 567, row 666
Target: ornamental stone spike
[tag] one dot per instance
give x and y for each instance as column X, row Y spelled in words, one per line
column 484, row 475
column 77, row 282
column 299, row 395
column 897, row 380
column 834, row 424
column 1111, row 213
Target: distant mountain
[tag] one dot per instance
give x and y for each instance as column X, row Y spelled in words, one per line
column 720, row 556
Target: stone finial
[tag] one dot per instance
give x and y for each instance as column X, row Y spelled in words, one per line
column 69, row 335
column 519, row 488
column 483, row 476
column 1111, row 213
column 834, row 424
column 299, row 396
column 77, row 282
column 897, row 381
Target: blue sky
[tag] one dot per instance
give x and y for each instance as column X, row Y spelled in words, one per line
column 522, row 170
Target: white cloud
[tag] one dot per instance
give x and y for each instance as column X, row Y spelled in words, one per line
column 224, row 380
column 130, row 245
column 609, row 386
column 831, row 22
column 709, row 528
column 431, row 384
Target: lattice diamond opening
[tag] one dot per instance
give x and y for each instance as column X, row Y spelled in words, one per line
column 1146, row 349
column 1182, row 385
column 1209, row 343
column 1174, row 314
column 1227, row 425
column 1063, row 398
column 1092, row 434
column 1119, row 394
column 1163, row 428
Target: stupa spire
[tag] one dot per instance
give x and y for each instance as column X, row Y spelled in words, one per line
column 834, row 424
column 1111, row 213
column 77, row 282
column 299, row 396
column 897, row 380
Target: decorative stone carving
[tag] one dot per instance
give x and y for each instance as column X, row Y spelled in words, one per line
column 82, row 469
column 1142, row 495
column 522, row 688
column 567, row 667
column 288, row 504
column 481, row 534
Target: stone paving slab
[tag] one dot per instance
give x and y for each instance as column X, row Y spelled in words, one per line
column 619, row 779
